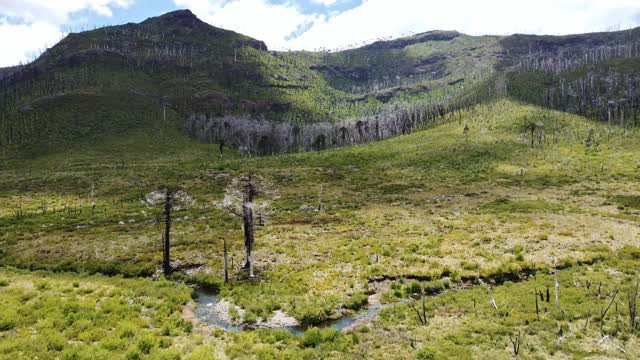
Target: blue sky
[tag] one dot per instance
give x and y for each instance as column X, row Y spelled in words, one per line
column 29, row 26
column 140, row 10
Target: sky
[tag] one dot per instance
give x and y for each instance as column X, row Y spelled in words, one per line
column 27, row 27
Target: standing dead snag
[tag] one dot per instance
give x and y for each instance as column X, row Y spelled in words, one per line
column 516, row 340
column 169, row 199
column 225, row 260
column 603, row 311
column 242, row 198
column 535, row 295
column 493, row 299
column 632, row 298
column 320, row 198
column 557, row 286
column 422, row 313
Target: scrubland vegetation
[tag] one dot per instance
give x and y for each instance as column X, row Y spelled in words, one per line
column 462, row 234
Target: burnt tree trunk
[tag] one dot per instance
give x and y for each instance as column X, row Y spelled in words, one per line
column 248, row 225
column 226, row 266
column 166, row 259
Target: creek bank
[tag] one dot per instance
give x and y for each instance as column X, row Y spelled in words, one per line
column 213, row 311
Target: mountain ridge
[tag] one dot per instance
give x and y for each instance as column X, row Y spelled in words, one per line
column 196, row 71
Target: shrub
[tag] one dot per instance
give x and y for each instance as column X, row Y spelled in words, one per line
column 146, row 343
column 113, row 343
column 42, row 285
column 357, row 301
column 133, row 355
column 630, row 252
column 566, row 263
column 164, row 342
column 187, row 327
column 204, row 281
column 8, row 320
column 250, row 317
column 414, row 287
column 127, row 331
column 426, row 353
column 470, row 266
column 312, row 337
column 331, row 335
column 171, row 354
column 55, row 342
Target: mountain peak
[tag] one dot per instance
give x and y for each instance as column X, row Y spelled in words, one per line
column 179, row 18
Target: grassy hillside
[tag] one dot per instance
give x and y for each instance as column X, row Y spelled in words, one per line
column 434, row 211
column 179, row 63
column 127, row 77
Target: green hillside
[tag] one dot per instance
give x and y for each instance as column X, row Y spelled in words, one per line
column 179, row 63
column 175, row 71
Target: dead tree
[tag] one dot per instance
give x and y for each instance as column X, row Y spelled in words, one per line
column 225, row 258
column 535, row 295
column 603, row 311
column 169, row 199
column 243, row 198
column 420, row 311
column 632, row 297
column 516, row 341
column 557, row 287
column 320, row 198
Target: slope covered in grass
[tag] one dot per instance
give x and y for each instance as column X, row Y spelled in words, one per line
column 397, row 216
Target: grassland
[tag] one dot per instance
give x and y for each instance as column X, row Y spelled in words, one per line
column 434, row 210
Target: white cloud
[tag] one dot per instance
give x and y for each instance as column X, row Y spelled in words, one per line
column 56, row 12
column 375, row 19
column 40, row 21
column 325, row 2
column 36, row 24
column 256, row 18
column 22, row 42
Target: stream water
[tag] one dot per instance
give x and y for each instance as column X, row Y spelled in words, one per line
column 205, row 313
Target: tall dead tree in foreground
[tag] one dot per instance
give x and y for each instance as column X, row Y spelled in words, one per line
column 245, row 198
column 169, row 199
